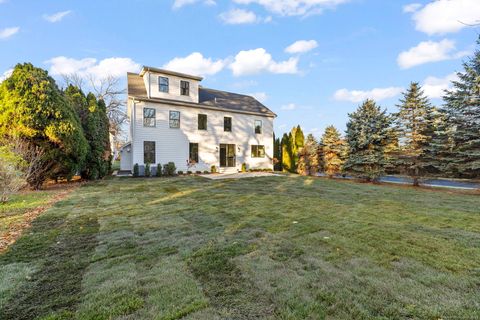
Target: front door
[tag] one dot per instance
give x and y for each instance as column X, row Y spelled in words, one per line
column 227, row 155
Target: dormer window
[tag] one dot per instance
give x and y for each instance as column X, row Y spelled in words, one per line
column 184, row 88
column 163, row 84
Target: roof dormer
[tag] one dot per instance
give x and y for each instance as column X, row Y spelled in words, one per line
column 165, row 84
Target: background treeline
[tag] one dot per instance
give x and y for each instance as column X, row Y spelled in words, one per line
column 49, row 133
column 418, row 140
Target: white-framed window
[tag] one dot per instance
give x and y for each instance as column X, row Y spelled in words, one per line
column 174, row 119
column 258, row 151
column 163, row 84
column 149, row 152
column 184, row 88
column 258, row 126
column 149, row 117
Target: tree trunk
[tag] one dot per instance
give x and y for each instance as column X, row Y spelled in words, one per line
column 416, row 182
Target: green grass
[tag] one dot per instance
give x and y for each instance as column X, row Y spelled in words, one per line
column 257, row 248
column 14, row 210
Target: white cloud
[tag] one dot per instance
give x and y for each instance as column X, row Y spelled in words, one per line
column 195, row 64
column 294, row 7
column 115, row 66
column 290, row 106
column 238, row 16
column 56, row 17
column 412, row 7
column 445, row 16
column 429, row 51
column 376, row 94
column 301, row 46
column 260, row 96
column 435, row 87
column 6, row 74
column 8, row 32
column 177, row 4
column 258, row 60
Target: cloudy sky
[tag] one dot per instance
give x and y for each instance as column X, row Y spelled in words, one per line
column 310, row 61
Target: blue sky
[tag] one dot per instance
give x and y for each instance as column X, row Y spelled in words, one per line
column 310, row 61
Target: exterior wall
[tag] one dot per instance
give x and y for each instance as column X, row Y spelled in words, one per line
column 174, row 87
column 172, row 145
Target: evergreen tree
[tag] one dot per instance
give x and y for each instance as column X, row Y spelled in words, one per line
column 94, row 120
column 367, row 136
column 277, row 154
column 458, row 139
column 34, row 110
column 414, row 127
column 333, row 151
column 308, row 163
column 287, row 156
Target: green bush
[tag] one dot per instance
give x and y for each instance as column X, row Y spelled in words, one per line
column 213, row 169
column 189, row 172
column 244, row 167
column 148, row 173
column 180, row 172
column 135, row 170
column 198, row 172
column 159, row 170
column 169, row 169
column 206, row 172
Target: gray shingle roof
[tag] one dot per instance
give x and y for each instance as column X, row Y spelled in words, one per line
column 207, row 98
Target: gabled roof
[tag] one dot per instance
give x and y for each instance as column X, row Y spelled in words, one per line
column 172, row 73
column 208, row 99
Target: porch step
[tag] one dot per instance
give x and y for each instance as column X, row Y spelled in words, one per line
column 227, row 170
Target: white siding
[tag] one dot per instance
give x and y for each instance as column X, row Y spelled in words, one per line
column 174, row 87
column 173, row 144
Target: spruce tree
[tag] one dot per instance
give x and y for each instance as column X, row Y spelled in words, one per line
column 297, row 140
column 333, row 150
column 277, row 154
column 367, row 136
column 414, row 128
column 458, row 140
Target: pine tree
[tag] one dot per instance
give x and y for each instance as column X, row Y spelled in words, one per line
column 277, row 154
column 297, row 140
column 414, row 127
column 333, row 150
column 308, row 163
column 458, row 139
column 367, row 136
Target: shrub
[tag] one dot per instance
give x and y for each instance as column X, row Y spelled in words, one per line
column 135, row 170
column 244, row 167
column 11, row 178
column 206, row 172
column 147, row 170
column 180, row 172
column 169, row 169
column 159, row 170
column 189, row 172
column 213, row 169
column 198, row 172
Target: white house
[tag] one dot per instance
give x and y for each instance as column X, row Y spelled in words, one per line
column 174, row 119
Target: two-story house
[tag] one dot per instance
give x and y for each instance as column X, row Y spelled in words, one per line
column 174, row 119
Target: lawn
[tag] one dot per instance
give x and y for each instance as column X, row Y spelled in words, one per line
column 257, row 248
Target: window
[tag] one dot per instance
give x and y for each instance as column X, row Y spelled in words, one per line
column 258, row 126
column 258, row 151
column 174, row 119
column 163, row 84
column 193, row 156
column 148, row 117
column 184, row 88
column 202, row 122
column 148, row 151
column 227, row 124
